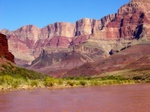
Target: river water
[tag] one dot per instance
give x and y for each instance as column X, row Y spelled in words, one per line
column 121, row 98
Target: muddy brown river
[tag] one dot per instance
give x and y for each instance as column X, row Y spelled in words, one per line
column 122, row 98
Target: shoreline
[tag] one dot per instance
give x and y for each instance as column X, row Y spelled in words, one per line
column 27, row 87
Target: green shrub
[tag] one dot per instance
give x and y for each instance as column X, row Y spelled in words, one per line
column 71, row 83
column 94, row 83
column 113, row 78
column 49, row 82
column 6, row 79
column 60, row 81
column 16, row 84
column 34, row 83
column 83, row 83
column 20, row 72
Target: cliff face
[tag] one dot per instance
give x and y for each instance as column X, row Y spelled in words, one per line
column 134, row 58
column 27, row 42
column 111, row 33
column 57, row 61
column 129, row 22
column 4, row 48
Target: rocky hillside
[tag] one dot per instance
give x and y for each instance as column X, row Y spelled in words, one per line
column 134, row 58
column 27, row 42
column 63, row 46
column 4, row 53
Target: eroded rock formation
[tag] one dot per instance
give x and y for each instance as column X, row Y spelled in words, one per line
column 4, row 49
column 111, row 33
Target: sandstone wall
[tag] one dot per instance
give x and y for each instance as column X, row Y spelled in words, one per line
column 4, row 48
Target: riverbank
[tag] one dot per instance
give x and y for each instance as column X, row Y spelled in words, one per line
column 16, row 78
column 9, row 83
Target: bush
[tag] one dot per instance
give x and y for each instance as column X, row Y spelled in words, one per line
column 34, row 83
column 49, row 82
column 20, row 72
column 113, row 78
column 16, row 84
column 83, row 83
column 6, row 79
column 94, row 83
column 60, row 81
column 71, row 83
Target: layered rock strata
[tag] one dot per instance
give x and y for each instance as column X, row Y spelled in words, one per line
column 4, row 49
column 109, row 35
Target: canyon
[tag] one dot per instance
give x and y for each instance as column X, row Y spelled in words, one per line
column 4, row 53
column 88, row 46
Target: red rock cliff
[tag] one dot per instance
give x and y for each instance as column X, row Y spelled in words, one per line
column 4, row 48
column 132, row 21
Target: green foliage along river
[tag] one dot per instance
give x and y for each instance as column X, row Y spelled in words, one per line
column 12, row 77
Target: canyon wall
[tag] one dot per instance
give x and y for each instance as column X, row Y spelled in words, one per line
column 4, row 49
column 108, row 35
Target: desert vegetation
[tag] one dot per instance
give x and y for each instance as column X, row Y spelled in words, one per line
column 12, row 77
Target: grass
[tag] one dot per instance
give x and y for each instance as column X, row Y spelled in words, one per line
column 12, row 77
column 18, row 72
column 9, row 82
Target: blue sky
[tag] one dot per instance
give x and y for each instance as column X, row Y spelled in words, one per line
column 16, row 13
